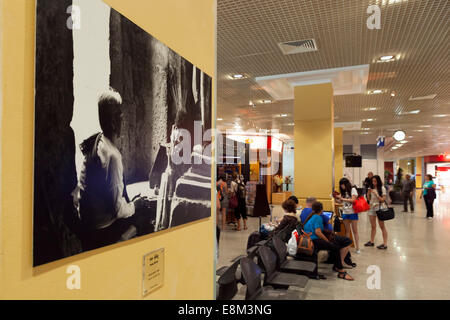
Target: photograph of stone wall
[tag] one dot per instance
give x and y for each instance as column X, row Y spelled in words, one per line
column 114, row 107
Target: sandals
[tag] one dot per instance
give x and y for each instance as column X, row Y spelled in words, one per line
column 382, row 246
column 369, row 244
column 344, row 275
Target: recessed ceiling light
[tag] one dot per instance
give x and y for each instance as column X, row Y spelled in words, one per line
column 267, row 101
column 370, row 109
column 386, row 58
column 377, row 91
column 290, row 124
column 368, row 120
column 283, row 115
column 393, row 94
column 237, row 76
column 399, row 135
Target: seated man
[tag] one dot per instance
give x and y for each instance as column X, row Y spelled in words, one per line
column 307, row 210
column 103, row 203
column 338, row 246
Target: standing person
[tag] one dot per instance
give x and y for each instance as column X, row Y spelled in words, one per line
column 339, row 247
column 238, row 189
column 347, row 197
column 222, row 192
column 408, row 187
column 377, row 196
column 429, row 194
column 368, row 181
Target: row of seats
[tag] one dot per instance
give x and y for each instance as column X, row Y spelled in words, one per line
column 268, row 257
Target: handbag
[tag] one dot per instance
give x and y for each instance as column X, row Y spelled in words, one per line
column 305, row 245
column 360, row 205
column 431, row 193
column 386, row 213
column 337, row 224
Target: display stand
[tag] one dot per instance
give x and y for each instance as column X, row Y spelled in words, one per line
column 261, row 208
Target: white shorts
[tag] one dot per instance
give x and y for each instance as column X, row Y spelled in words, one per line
column 372, row 213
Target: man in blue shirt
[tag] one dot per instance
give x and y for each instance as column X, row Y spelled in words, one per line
column 307, row 210
column 338, row 247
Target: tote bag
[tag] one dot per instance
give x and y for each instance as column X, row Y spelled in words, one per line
column 386, row 213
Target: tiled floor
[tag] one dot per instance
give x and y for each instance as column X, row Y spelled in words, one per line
column 415, row 266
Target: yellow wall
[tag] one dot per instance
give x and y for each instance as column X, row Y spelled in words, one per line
column 338, row 156
column 313, row 138
column 113, row 272
column 419, row 173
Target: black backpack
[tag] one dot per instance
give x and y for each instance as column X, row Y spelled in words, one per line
column 241, row 191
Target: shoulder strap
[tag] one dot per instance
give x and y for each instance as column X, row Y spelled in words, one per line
column 309, row 217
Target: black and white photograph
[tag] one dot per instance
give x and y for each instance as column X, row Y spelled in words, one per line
column 113, row 106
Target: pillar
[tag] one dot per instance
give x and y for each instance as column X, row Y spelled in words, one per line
column 314, row 142
column 338, row 156
column 419, row 172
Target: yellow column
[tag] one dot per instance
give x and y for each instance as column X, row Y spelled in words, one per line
column 338, row 156
column 419, row 173
column 314, row 135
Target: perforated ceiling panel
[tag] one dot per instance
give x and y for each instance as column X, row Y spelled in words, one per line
column 416, row 31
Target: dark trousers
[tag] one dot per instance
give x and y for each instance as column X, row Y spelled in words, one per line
column 333, row 249
column 429, row 204
column 241, row 209
column 407, row 196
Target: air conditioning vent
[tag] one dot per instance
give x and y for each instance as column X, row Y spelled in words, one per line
column 298, row 46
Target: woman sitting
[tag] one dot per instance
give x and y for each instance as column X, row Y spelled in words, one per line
column 290, row 220
column 338, row 247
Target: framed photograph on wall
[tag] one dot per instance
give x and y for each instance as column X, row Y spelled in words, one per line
column 122, row 132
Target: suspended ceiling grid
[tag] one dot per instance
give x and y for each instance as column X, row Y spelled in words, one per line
column 417, row 31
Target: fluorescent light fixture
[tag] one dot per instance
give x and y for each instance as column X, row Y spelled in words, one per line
column 414, row 112
column 403, row 141
column 290, row 124
column 267, row 101
column 237, row 76
column 219, row 119
column 429, row 97
column 399, row 135
column 377, row 91
column 440, row 115
column 386, row 58
column 368, row 120
column 283, row 115
column 425, row 126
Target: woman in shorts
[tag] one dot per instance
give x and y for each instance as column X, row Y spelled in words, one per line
column 377, row 196
column 347, row 198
